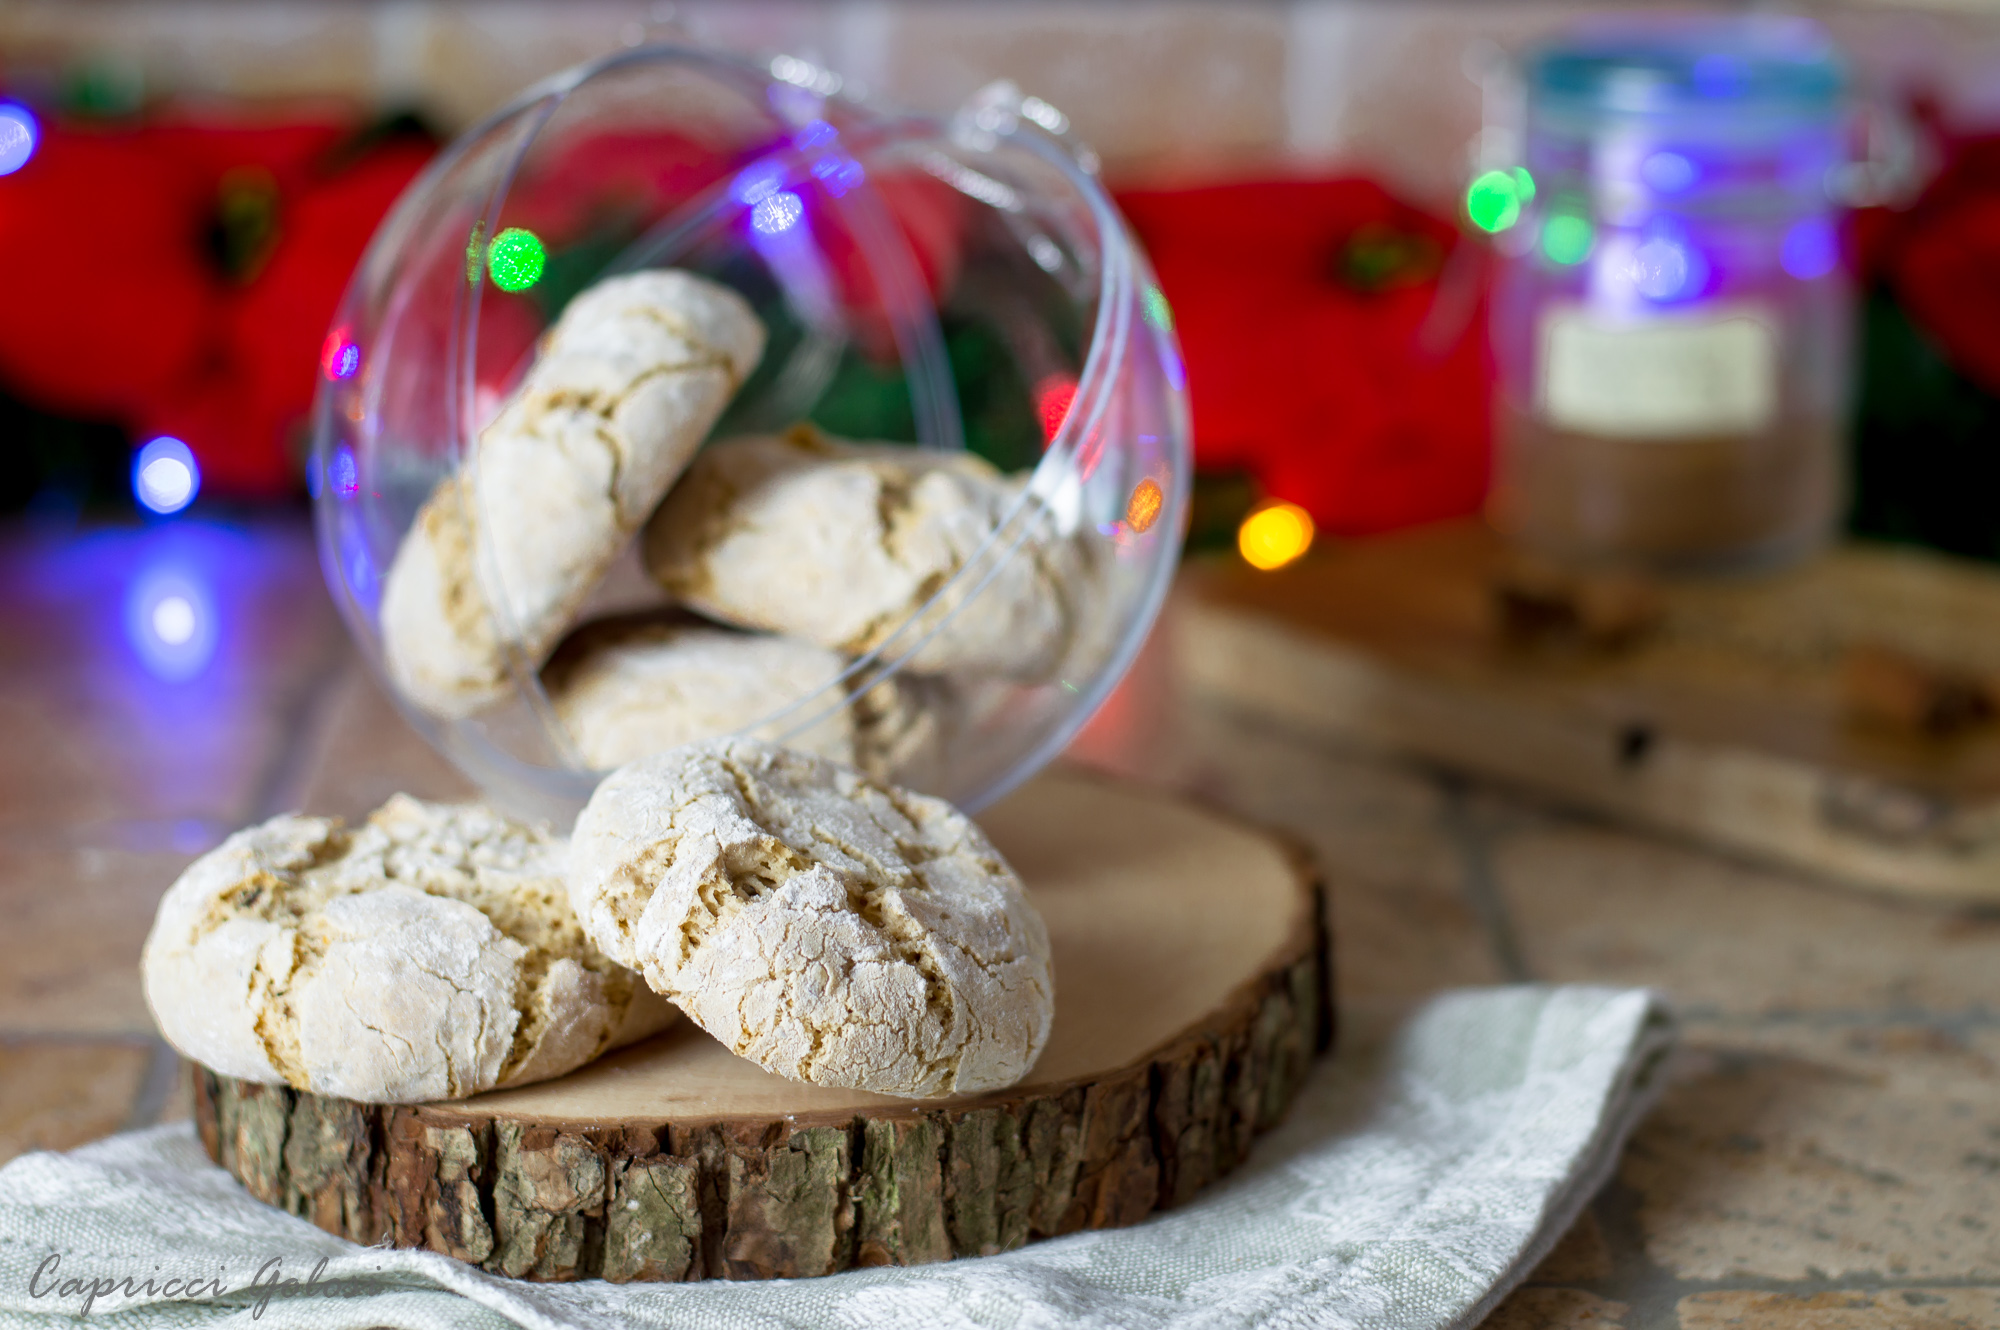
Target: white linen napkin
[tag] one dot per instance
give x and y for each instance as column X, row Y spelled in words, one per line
column 1423, row 1172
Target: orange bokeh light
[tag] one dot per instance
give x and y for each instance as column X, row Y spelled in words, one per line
column 1143, row 509
column 1275, row 535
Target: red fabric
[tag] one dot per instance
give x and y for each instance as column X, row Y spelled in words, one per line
column 273, row 329
column 1941, row 256
column 109, row 300
column 117, row 307
column 1301, row 376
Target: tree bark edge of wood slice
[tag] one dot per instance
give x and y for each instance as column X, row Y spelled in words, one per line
column 795, row 1194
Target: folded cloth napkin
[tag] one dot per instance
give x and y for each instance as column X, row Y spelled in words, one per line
column 1421, row 1174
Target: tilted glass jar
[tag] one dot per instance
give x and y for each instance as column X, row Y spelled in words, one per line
column 1672, row 315
column 953, row 284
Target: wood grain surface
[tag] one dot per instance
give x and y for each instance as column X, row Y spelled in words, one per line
column 1724, row 721
column 1192, row 992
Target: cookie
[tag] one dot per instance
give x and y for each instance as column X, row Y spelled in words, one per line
column 429, row 953
column 841, row 543
column 631, row 686
column 628, row 382
column 625, row 688
column 830, row 928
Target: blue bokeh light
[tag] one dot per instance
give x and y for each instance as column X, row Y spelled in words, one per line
column 1721, row 74
column 343, row 474
column 839, row 174
column 165, row 478
column 339, row 355
column 1666, row 266
column 19, row 136
column 1668, row 172
column 359, row 569
column 171, row 622
column 758, row 181
column 777, row 212
column 1810, row 249
column 816, row 134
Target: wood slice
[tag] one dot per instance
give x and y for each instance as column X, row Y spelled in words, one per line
column 1192, row 990
column 1730, row 718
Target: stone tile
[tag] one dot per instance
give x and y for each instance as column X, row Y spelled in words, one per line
column 364, row 751
column 57, row 1095
column 1581, row 1256
column 1557, row 1309
column 77, row 917
column 1153, row 88
column 101, row 725
column 1835, row 1152
column 1598, row 905
column 1897, row 1309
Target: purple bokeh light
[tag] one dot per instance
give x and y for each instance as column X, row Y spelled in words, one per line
column 20, row 135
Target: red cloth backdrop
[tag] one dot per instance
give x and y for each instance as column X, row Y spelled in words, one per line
column 118, row 308
column 1299, row 306
column 1940, row 256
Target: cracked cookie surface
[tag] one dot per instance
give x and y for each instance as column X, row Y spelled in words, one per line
column 627, row 687
column 832, row 929
column 429, row 953
column 628, row 382
column 842, row 543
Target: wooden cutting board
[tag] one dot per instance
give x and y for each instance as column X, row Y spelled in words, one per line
column 1725, row 722
column 1191, row 993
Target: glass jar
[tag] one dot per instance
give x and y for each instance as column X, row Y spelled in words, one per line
column 962, row 283
column 1671, row 319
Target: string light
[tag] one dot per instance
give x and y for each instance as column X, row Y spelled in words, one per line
column 1664, row 269
column 342, row 473
column 174, row 620
column 839, row 174
column 1275, row 535
column 1567, row 239
column 777, row 212
column 515, row 259
column 1495, row 198
column 339, row 357
column 1053, row 396
column 165, row 478
column 171, row 622
column 1143, row 508
column 19, row 136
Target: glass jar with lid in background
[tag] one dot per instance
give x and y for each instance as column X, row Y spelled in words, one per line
column 1672, row 315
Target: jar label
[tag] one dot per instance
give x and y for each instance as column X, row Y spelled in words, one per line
column 1664, row 378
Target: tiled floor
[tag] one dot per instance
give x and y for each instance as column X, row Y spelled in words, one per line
column 1828, row 1155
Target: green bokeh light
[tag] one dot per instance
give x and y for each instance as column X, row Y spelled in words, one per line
column 1493, row 201
column 1158, row 312
column 515, row 258
column 1524, row 185
column 1567, row 238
